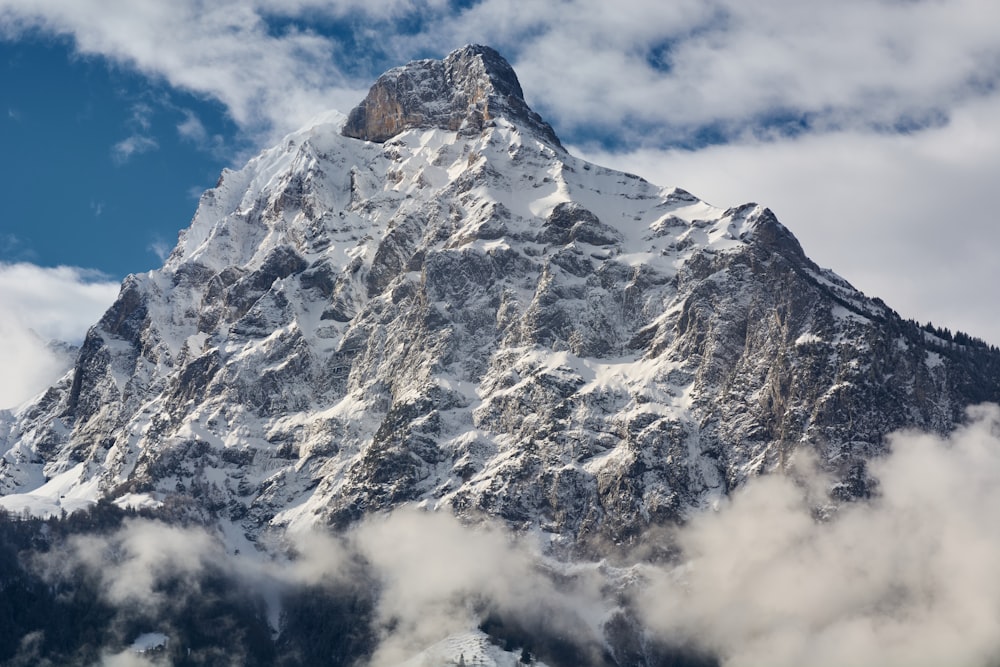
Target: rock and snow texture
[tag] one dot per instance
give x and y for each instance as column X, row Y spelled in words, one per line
column 473, row 649
column 149, row 642
column 464, row 92
column 464, row 315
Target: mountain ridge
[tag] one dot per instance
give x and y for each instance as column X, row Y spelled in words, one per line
column 462, row 315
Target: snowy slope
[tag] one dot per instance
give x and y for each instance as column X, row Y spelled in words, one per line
column 466, row 316
column 467, row 648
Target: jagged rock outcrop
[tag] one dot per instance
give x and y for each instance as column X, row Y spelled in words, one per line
column 459, row 313
column 464, row 93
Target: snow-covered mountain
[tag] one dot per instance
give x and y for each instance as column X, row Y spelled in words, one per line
column 432, row 301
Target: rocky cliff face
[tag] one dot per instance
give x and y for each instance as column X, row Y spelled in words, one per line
column 463, row 93
column 435, row 303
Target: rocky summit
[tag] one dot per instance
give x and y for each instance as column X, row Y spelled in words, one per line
column 461, row 93
column 434, row 303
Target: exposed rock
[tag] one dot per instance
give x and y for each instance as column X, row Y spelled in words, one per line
column 465, row 92
column 469, row 317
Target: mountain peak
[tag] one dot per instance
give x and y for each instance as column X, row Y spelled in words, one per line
column 465, row 92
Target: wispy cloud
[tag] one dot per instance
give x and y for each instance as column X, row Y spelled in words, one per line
column 141, row 116
column 14, row 249
column 191, row 128
column 160, row 248
column 195, row 192
column 136, row 144
column 140, row 141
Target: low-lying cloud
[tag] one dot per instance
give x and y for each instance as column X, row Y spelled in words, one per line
column 908, row 577
column 430, row 574
column 440, row 577
column 143, row 554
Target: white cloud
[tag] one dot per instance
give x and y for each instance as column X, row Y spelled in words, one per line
column 144, row 553
column 438, row 577
column 191, row 128
column 909, row 578
column 161, row 249
column 136, row 144
column 29, row 365
column 270, row 82
column 38, row 305
column 658, row 72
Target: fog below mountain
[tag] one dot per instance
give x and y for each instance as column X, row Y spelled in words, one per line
column 776, row 574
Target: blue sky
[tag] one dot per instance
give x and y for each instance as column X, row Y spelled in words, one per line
column 107, row 165
column 871, row 127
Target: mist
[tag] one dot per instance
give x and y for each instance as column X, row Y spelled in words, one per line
column 908, row 578
column 777, row 575
column 440, row 576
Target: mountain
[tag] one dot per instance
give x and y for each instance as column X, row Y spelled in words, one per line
column 432, row 302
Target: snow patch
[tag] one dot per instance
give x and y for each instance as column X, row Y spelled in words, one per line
column 472, row 648
column 70, row 491
column 149, row 641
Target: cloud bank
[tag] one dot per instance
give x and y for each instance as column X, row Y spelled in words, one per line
column 39, row 305
column 909, row 578
column 906, row 578
column 668, row 72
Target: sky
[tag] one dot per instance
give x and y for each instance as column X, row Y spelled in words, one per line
column 870, row 127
